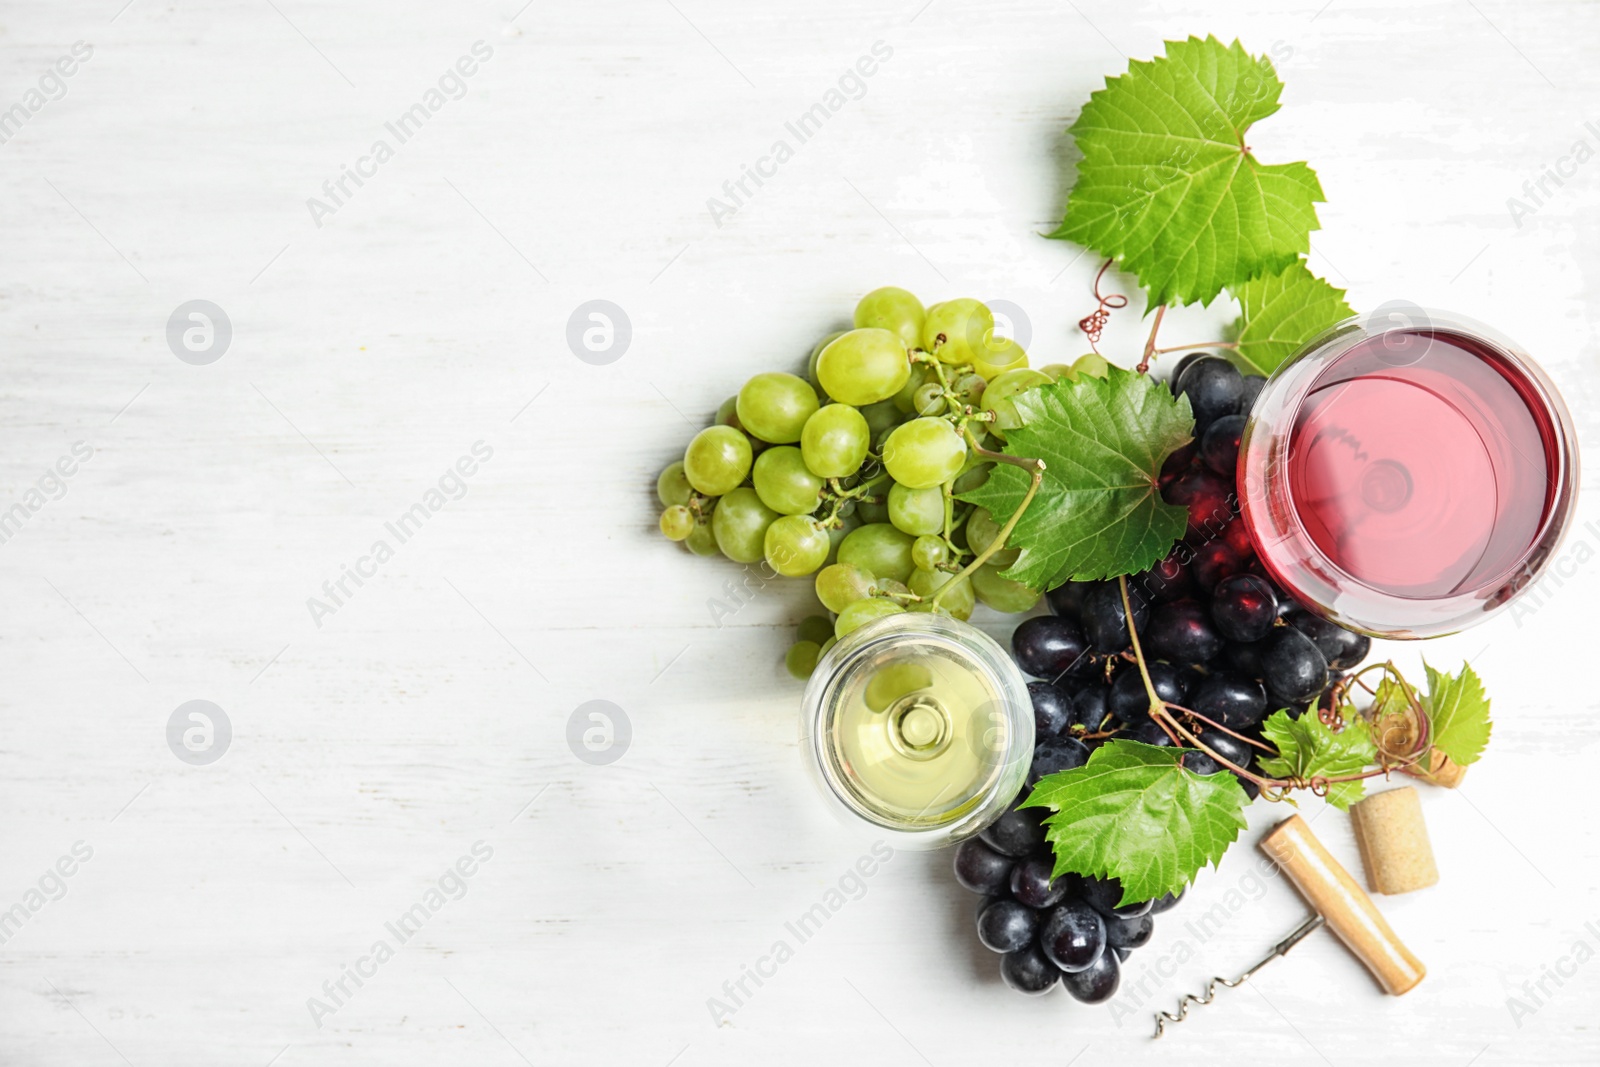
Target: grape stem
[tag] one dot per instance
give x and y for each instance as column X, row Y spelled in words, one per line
column 1150, row 343
column 1035, row 467
column 1180, row 348
column 1274, row 789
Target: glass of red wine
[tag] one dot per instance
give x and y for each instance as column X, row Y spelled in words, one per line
column 1409, row 474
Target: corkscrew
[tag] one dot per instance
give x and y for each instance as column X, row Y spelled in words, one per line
column 1339, row 904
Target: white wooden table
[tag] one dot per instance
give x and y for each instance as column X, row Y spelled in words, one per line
column 379, row 740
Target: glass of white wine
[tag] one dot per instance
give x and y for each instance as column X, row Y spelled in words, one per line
column 920, row 726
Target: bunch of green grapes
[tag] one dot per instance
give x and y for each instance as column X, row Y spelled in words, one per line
column 851, row 472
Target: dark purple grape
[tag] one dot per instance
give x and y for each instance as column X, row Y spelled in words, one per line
column 1006, row 925
column 1129, row 701
column 1342, row 648
column 1292, row 667
column 1250, row 788
column 1122, row 954
column 1106, row 621
column 1066, row 599
column 1229, row 748
column 1056, row 754
column 1243, row 607
column 1130, row 933
column 1017, row 833
column 1252, row 389
column 1027, row 971
column 1103, row 894
column 1182, row 633
column 1096, row 983
column 1032, row 885
column 1231, row 699
column 1090, row 705
column 1073, row 935
column 1215, row 389
column 1182, row 365
column 1166, row 903
column 980, row 868
column 1052, row 709
column 1237, row 537
column 1163, row 583
column 1200, row 763
column 1219, row 447
column 1212, row 562
column 1210, row 500
column 1046, row 646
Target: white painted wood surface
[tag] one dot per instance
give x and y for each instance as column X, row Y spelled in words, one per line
column 430, row 710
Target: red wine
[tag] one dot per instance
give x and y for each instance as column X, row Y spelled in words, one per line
column 1408, row 481
column 1419, row 464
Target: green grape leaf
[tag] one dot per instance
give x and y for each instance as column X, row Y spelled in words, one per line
column 1458, row 711
column 1307, row 748
column 1098, row 512
column 1132, row 813
column 1280, row 313
column 1167, row 184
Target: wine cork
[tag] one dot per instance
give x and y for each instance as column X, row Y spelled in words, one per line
column 1394, row 842
column 1441, row 771
column 1349, row 912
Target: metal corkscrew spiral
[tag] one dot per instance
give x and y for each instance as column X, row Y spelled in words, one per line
column 1281, row 948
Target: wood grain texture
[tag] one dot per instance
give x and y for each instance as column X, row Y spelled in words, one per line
column 430, row 711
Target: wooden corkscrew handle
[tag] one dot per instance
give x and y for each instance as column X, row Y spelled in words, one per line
column 1349, row 912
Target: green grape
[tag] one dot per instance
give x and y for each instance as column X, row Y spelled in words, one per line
column 928, row 399
column 894, row 310
column 717, row 460
column 864, row 367
column 871, row 511
column 916, row 511
column 835, row 440
column 999, row 355
column 903, row 400
column 957, row 603
column 801, row 659
column 880, row 550
column 997, row 398
column 701, row 541
column 676, row 522
column 840, row 585
column 817, row 628
column 969, row 388
column 826, row 646
column 862, row 612
column 811, row 362
column 672, row 487
column 728, row 413
column 981, row 532
column 794, row 545
column 1000, row 593
column 838, row 532
column 881, row 417
column 897, row 680
column 740, row 525
column 775, row 406
column 783, row 482
column 966, row 325
column 1091, row 365
column 924, row 452
column 1056, row 371
column 927, row 552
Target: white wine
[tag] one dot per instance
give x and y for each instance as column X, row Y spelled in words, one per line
column 921, row 725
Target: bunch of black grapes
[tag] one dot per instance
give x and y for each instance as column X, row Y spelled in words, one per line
column 1220, row 639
